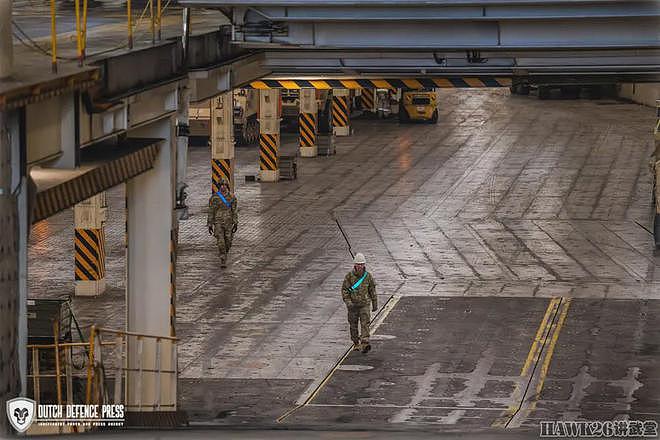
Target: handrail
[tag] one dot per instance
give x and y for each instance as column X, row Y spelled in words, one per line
column 144, row 335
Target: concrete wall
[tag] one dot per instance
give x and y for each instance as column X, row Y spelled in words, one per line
column 642, row 93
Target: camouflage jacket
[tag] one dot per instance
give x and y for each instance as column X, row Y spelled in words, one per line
column 365, row 293
column 220, row 214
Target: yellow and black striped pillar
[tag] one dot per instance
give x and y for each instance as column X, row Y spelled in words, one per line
column 222, row 140
column 89, row 246
column 268, row 147
column 367, row 98
column 269, row 134
column 89, row 255
column 340, row 112
column 221, row 170
column 307, row 129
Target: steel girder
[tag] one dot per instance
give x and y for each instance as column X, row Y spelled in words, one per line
column 443, row 24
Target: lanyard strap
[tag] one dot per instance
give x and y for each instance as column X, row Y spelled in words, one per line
column 227, row 204
column 358, row 282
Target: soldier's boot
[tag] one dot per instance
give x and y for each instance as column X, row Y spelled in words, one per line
column 356, row 345
column 366, row 346
column 223, row 261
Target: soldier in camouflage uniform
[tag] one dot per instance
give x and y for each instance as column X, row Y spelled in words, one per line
column 223, row 220
column 358, row 290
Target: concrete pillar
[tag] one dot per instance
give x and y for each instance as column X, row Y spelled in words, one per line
column 151, row 274
column 9, row 276
column 89, row 244
column 182, row 133
column 269, row 134
column 340, row 112
column 222, row 140
column 6, row 40
column 307, row 122
column 368, row 100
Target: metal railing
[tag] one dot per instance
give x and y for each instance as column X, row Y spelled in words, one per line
column 140, row 369
column 156, row 12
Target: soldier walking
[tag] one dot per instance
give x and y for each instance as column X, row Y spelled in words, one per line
column 358, row 290
column 223, row 220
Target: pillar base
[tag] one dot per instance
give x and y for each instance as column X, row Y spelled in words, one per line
column 269, row 175
column 308, row 151
column 341, row 131
column 90, row 288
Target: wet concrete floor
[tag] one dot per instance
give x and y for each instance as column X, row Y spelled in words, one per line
column 516, row 277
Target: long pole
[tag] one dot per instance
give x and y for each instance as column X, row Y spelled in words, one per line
column 350, row 250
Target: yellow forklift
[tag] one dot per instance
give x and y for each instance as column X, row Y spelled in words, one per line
column 418, row 105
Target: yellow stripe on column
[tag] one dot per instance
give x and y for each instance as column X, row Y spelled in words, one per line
column 89, row 261
column 307, row 129
column 268, row 145
column 220, row 170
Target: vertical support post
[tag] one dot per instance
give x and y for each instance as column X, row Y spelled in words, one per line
column 129, row 23
column 160, row 16
column 307, row 125
column 119, row 362
column 269, row 134
column 69, row 375
column 340, row 112
column 9, row 271
column 222, row 140
column 78, row 33
column 36, row 378
column 182, row 133
column 6, row 40
column 150, row 294
column 152, row 24
column 53, row 37
column 89, row 217
column 58, row 371
column 84, row 30
column 90, row 365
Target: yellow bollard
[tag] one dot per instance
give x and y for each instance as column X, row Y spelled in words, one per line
column 53, row 37
column 129, row 17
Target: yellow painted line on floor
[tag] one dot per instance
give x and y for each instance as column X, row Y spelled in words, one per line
column 304, row 401
column 538, row 338
column 532, row 358
column 551, row 349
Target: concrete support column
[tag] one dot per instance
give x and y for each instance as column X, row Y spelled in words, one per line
column 269, row 134
column 6, row 40
column 307, row 122
column 340, row 112
column 222, row 140
column 9, row 276
column 151, row 275
column 368, row 100
column 89, row 217
column 182, row 133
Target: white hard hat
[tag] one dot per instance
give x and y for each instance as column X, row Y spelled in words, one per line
column 359, row 259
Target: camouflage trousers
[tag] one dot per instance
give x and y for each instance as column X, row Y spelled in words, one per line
column 223, row 237
column 363, row 315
